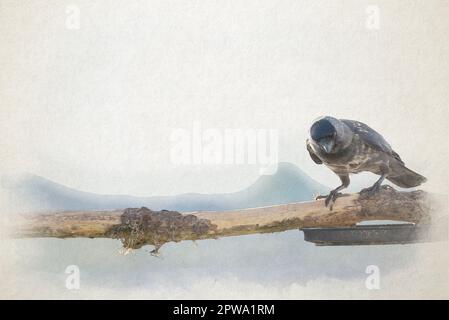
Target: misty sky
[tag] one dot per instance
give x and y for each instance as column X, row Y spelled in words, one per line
column 92, row 103
column 93, row 108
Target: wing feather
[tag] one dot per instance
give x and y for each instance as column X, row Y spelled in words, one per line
column 371, row 137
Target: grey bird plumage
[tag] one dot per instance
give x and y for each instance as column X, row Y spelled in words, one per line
column 349, row 147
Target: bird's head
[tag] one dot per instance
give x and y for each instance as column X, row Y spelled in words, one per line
column 324, row 134
column 330, row 134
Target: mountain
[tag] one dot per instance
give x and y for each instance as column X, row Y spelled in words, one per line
column 288, row 184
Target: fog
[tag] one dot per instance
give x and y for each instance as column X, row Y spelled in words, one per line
column 91, row 93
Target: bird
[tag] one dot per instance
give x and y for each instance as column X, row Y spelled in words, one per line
column 350, row 147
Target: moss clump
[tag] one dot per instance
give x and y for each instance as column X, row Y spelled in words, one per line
column 142, row 226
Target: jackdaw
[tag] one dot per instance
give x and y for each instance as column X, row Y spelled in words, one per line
column 348, row 146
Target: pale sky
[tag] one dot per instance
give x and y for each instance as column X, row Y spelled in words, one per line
column 93, row 108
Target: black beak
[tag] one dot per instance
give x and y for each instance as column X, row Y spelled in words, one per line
column 327, row 145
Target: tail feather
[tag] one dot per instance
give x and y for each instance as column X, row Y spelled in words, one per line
column 405, row 178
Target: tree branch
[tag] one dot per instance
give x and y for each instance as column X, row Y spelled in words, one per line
column 139, row 227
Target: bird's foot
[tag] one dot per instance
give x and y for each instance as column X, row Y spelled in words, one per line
column 371, row 191
column 330, row 199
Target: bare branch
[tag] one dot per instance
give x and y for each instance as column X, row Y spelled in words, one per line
column 139, row 227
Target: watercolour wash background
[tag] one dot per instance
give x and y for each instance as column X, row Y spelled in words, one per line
column 93, row 108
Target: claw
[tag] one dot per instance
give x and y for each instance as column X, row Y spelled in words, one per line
column 371, row 191
column 330, row 198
